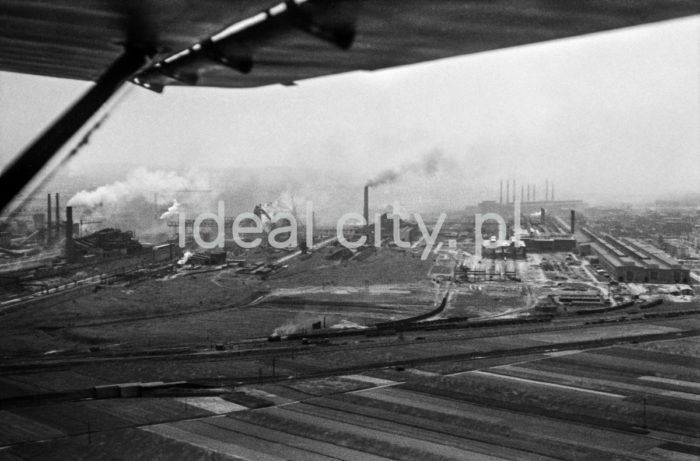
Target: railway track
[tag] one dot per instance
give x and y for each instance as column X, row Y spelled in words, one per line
column 268, row 352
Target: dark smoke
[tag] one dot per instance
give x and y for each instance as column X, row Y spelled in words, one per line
column 429, row 164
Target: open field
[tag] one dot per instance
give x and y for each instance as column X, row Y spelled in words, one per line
column 537, row 396
column 199, row 309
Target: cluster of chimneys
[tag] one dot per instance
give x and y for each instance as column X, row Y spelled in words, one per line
column 531, row 192
column 54, row 230
column 549, row 195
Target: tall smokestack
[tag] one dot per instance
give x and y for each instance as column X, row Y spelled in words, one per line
column 365, row 210
column 70, row 255
column 514, row 189
column 573, row 221
column 534, row 198
column 507, row 190
column 552, row 193
column 522, row 193
column 542, row 216
column 528, row 192
column 58, row 216
column 500, row 200
column 49, row 229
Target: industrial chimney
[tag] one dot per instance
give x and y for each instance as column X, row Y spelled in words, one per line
column 49, row 228
column 573, row 221
column 70, row 254
column 507, row 190
column 365, row 210
column 500, row 200
column 58, row 216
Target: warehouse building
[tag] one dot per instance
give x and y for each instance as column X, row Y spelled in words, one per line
column 634, row 260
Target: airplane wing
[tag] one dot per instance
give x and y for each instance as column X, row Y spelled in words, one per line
column 249, row 43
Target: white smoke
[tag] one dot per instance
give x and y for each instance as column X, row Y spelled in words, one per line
column 172, row 211
column 429, row 164
column 137, row 202
column 285, row 203
column 139, row 183
column 185, row 257
column 303, row 321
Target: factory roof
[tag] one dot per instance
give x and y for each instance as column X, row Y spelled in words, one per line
column 656, row 255
column 631, row 252
column 612, row 257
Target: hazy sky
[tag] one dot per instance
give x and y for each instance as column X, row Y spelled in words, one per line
column 610, row 113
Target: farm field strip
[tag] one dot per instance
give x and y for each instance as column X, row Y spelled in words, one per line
column 436, row 449
column 207, row 443
column 263, row 447
column 10, row 387
column 454, row 429
column 614, row 331
column 58, row 417
column 282, row 390
column 520, row 422
column 401, row 425
column 57, row 420
column 215, row 405
column 448, row 368
column 57, row 380
column 17, row 428
column 371, row 380
column 681, row 395
column 546, row 383
column 632, row 366
column 660, row 413
column 623, row 383
column 604, row 385
column 685, row 347
column 675, row 382
column 427, row 402
column 535, row 401
column 296, row 441
column 332, row 435
column 631, row 353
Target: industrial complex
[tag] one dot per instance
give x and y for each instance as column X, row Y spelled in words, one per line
column 547, row 314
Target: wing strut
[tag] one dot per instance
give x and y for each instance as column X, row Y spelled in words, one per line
column 18, row 174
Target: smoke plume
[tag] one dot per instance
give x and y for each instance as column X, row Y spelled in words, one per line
column 429, row 164
column 286, row 203
column 138, row 201
column 185, row 257
column 172, row 211
column 139, row 183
